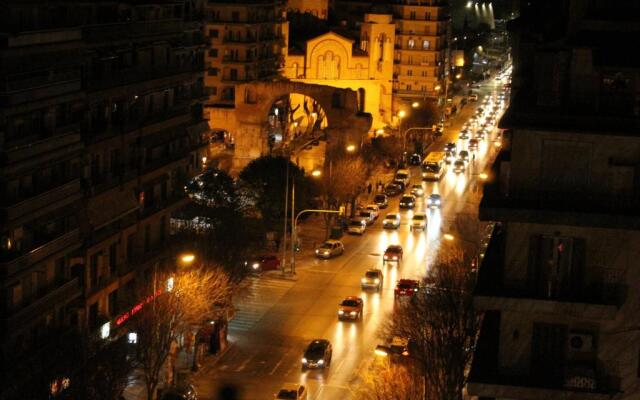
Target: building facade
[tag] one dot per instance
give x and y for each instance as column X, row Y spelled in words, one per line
column 334, row 60
column 558, row 282
column 100, row 126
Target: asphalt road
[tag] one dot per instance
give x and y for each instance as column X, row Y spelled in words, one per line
column 276, row 317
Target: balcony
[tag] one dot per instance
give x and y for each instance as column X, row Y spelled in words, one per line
column 18, row 89
column 236, row 60
column 30, row 147
column 53, row 246
column 246, row 39
column 49, row 199
column 57, row 295
column 500, row 203
column 44, row 37
column 123, row 30
column 138, row 75
column 487, row 379
column 595, row 300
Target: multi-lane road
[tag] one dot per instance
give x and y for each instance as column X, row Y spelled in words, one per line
column 276, row 318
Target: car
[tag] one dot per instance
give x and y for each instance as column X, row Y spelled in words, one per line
column 473, row 97
column 399, row 345
column 292, row 391
column 434, row 201
column 473, row 144
column 391, row 221
column 415, row 159
column 350, row 308
column 459, row 166
column 406, row 287
column 357, row 226
column 418, row 222
column 373, row 208
column 368, row 216
column 181, row 392
column 392, row 189
column 330, row 248
column 372, row 279
column 401, row 184
column 481, row 134
column 464, row 135
column 464, row 156
column 264, row 262
column 393, row 253
column 439, row 131
column 317, row 355
column 403, row 175
column 450, row 148
column 381, row 200
column 417, row 190
column 407, row 201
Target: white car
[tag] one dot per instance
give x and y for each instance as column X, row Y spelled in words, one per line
column 330, row 248
column 391, row 221
column 292, row 391
column 374, row 209
column 434, row 201
column 368, row 216
column 419, row 222
column 357, row 226
column 403, row 175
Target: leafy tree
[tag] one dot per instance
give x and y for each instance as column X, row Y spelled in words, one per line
column 197, row 294
column 215, row 189
column 442, row 324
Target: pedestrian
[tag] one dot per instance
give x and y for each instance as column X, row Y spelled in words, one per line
column 369, row 188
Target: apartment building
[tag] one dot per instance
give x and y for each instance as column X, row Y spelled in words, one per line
column 558, row 284
column 100, row 126
column 421, row 49
column 247, row 40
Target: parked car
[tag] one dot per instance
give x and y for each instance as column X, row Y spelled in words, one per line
column 392, row 189
column 391, row 221
column 401, row 184
column 418, row 222
column 415, row 159
column 261, row 263
column 403, row 175
column 393, row 253
column 357, row 226
column 292, row 391
column 351, row 308
column 407, row 201
column 317, row 355
column 330, row 248
column 368, row 216
column 406, row 287
column 381, row 200
column 373, row 278
column 182, row 392
column 374, row 209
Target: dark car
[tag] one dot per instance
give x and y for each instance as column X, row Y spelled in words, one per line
column 407, row 201
column 406, row 287
column 317, row 354
column 265, row 262
column 381, row 200
column 392, row 189
column 393, row 253
column 400, row 183
column 415, row 159
column 184, row 392
column 450, row 148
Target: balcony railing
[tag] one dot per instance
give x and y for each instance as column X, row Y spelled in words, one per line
column 48, row 198
column 135, row 75
column 121, row 30
column 68, row 239
column 55, row 296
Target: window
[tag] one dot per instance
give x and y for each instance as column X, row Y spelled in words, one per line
column 425, row 45
column 213, row 53
column 410, row 72
column 147, row 238
column 423, row 73
column 213, row 72
column 113, row 258
column 412, row 15
column 556, row 266
column 213, row 33
column 548, row 344
column 411, row 43
column 93, row 271
column 233, row 74
column 60, row 270
column 409, row 87
column 427, row 15
column 410, row 60
column 235, row 16
column 423, row 88
column 214, row 90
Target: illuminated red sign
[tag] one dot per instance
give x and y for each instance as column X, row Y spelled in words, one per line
column 135, row 309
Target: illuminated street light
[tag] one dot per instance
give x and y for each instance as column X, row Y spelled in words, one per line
column 415, row 104
column 437, row 87
column 382, row 351
column 314, row 115
column 187, row 259
column 483, row 176
column 401, row 114
column 448, row 236
column 458, row 76
column 380, row 131
column 469, row 4
column 316, row 173
column 351, row 148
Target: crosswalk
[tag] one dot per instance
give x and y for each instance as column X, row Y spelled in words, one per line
column 254, row 301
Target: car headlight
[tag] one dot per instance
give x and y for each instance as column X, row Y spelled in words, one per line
column 437, row 201
column 353, row 313
column 376, row 281
column 386, row 258
column 415, row 289
column 395, row 258
column 304, row 360
column 255, row 265
column 320, row 362
column 363, row 280
column 340, row 312
column 317, row 251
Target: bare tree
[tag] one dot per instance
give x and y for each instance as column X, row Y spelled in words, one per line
column 392, row 382
column 442, row 325
column 174, row 304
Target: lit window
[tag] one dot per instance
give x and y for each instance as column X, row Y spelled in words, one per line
column 425, row 44
column 411, row 43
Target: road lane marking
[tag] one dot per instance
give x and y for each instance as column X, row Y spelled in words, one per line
column 244, row 364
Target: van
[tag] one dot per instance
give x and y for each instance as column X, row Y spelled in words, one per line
column 433, row 166
column 403, row 175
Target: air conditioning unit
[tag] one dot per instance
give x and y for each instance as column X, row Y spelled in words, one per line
column 581, row 342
